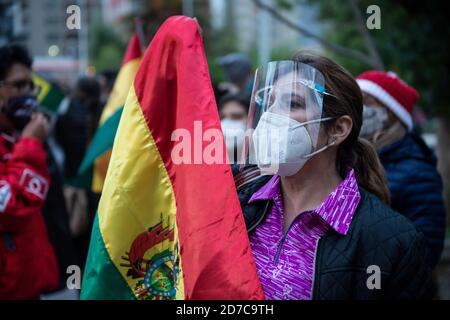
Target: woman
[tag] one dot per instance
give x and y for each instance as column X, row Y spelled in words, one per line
column 233, row 112
column 319, row 227
column 414, row 182
column 234, row 107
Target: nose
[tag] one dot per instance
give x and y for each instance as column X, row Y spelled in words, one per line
column 278, row 108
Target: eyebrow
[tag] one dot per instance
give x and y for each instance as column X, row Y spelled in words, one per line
column 294, row 97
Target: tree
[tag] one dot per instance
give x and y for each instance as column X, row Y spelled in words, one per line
column 372, row 58
column 106, row 48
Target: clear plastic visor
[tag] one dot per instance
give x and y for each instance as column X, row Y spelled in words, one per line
column 293, row 92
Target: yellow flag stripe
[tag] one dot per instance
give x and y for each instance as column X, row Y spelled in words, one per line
column 120, row 90
column 100, row 169
column 43, row 85
column 137, row 194
column 116, row 100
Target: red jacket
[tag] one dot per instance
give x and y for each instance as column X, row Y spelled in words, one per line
column 28, row 265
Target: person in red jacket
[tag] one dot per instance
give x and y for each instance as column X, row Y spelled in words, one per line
column 28, row 265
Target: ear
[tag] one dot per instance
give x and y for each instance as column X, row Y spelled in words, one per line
column 341, row 129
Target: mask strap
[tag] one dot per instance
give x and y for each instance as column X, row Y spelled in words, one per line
column 313, row 121
column 320, row 150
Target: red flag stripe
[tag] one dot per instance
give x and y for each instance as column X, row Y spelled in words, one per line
column 134, row 50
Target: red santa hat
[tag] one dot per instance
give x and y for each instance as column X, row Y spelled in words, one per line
column 392, row 92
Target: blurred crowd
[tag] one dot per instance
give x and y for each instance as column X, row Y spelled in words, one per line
column 56, row 142
column 46, row 218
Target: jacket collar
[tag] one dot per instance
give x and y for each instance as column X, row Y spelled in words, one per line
column 337, row 209
column 411, row 146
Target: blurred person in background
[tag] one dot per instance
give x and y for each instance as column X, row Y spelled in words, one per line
column 28, row 266
column 238, row 73
column 76, row 123
column 233, row 112
column 75, row 126
column 414, row 182
column 106, row 80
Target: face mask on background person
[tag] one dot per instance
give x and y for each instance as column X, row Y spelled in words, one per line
column 374, row 120
column 282, row 144
column 234, row 133
column 19, row 110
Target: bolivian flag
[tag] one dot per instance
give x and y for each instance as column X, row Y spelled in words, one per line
column 165, row 229
column 48, row 95
column 99, row 151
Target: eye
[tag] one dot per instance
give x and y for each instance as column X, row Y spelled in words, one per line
column 297, row 103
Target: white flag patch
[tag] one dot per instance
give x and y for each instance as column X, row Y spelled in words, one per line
column 34, row 183
column 5, row 195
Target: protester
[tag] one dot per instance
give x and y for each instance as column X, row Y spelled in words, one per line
column 106, row 80
column 74, row 130
column 76, row 125
column 233, row 110
column 319, row 224
column 414, row 182
column 234, row 107
column 28, row 266
column 237, row 69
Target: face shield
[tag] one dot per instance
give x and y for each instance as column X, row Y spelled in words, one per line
column 285, row 115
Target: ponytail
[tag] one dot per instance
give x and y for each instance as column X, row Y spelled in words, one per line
column 369, row 171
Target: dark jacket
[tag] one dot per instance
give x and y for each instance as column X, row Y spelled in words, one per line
column 377, row 236
column 416, row 190
column 57, row 221
column 73, row 130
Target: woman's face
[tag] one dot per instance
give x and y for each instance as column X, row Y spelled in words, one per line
column 293, row 99
column 299, row 102
column 233, row 110
column 371, row 101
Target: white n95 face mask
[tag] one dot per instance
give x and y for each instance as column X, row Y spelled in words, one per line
column 282, row 144
column 234, row 133
column 374, row 120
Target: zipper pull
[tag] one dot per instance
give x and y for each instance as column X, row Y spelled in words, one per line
column 283, row 238
column 279, row 246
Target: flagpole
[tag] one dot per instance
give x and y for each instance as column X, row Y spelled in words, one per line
column 139, row 26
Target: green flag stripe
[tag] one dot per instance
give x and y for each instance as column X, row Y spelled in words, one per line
column 53, row 99
column 101, row 142
column 83, row 180
column 101, row 279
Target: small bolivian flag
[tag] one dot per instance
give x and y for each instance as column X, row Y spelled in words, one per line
column 167, row 229
column 92, row 171
column 48, row 95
